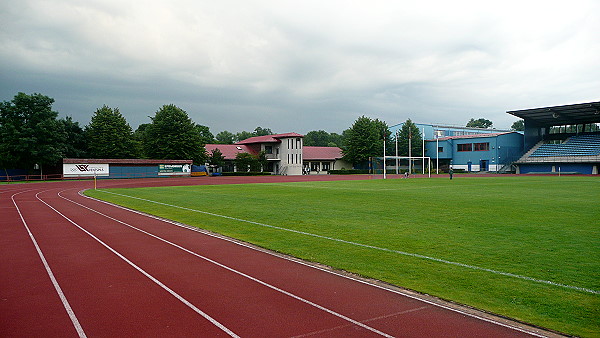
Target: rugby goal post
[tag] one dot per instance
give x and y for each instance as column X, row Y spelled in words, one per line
column 399, row 165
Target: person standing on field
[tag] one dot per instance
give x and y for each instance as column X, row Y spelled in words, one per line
column 451, row 172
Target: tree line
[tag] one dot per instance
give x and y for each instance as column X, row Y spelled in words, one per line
column 31, row 133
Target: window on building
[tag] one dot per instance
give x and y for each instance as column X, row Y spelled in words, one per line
column 325, row 166
column 440, row 149
column 269, row 149
column 465, row 147
column 481, row 146
column 314, row 166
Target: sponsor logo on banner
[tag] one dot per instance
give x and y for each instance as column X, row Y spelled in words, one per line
column 80, row 170
column 174, row 169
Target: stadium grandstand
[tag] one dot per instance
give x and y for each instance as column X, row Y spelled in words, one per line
column 561, row 139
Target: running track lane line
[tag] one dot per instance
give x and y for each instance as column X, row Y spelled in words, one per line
column 289, row 294
column 207, row 233
column 62, row 296
column 473, row 267
column 159, row 283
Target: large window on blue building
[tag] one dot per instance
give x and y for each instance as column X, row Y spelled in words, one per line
column 464, row 147
column 481, row 146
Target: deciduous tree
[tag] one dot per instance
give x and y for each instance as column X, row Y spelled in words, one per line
column 75, row 145
column 215, row 157
column 243, row 135
column 317, row 138
column 518, row 125
column 30, row 132
column 479, row 123
column 205, row 134
column 173, row 135
column 260, row 131
column 245, row 161
column 365, row 139
column 225, row 137
column 110, row 136
column 410, row 131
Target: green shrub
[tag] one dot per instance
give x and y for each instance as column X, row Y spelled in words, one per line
column 246, row 173
column 349, row 171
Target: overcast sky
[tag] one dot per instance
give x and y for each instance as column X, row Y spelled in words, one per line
column 297, row 66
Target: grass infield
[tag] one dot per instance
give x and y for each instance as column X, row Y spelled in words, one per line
column 522, row 247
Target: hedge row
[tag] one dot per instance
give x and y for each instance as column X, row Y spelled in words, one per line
column 246, row 173
column 349, row 171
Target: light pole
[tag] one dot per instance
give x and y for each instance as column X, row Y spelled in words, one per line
column 397, row 164
column 437, row 152
column 423, row 153
column 409, row 151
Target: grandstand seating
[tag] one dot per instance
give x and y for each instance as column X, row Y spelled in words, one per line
column 581, row 145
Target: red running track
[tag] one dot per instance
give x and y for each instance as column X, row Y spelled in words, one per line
column 73, row 266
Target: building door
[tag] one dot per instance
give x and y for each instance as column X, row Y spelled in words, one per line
column 270, row 167
column 483, row 165
column 469, row 164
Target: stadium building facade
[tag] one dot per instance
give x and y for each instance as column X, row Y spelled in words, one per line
column 469, row 149
column 286, row 155
column 476, row 152
column 557, row 139
column 432, row 131
column 561, row 139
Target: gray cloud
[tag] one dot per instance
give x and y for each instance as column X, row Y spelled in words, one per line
column 236, row 65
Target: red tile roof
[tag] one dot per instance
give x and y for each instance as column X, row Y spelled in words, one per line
column 471, row 136
column 269, row 138
column 229, row 150
column 308, row 153
column 321, row 153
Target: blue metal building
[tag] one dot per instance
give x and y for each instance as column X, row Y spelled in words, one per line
column 471, row 149
column 438, row 130
column 476, row 152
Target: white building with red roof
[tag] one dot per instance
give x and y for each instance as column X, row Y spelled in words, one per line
column 286, row 154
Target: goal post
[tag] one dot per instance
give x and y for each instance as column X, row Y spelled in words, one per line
column 400, row 165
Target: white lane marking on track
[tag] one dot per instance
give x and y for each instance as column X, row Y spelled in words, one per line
column 297, row 261
column 159, row 283
column 473, row 267
column 57, row 287
column 306, row 301
column 321, row 332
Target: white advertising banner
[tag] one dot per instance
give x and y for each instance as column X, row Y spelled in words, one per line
column 87, row 170
column 174, row 169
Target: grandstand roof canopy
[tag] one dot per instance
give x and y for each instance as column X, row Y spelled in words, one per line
column 580, row 113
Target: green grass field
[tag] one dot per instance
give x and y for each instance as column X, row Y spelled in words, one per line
column 522, row 247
